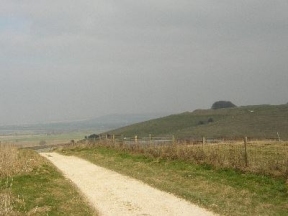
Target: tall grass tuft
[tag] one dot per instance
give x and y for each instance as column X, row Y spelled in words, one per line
column 9, row 163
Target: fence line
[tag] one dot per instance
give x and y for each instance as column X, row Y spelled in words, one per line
column 172, row 139
column 136, row 139
column 266, row 157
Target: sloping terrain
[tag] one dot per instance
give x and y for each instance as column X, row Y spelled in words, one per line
column 261, row 121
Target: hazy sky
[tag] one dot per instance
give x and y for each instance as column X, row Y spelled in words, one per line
column 71, row 59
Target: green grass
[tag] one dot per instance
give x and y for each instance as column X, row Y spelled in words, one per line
column 224, row 191
column 263, row 122
column 46, row 189
column 39, row 189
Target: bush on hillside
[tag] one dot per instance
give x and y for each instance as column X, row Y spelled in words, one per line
column 222, row 104
column 201, row 122
column 93, row 136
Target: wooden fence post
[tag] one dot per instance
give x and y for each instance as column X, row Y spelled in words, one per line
column 136, row 139
column 113, row 138
column 245, row 151
column 203, row 140
column 278, row 137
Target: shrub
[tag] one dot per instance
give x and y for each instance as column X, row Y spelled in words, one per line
column 93, row 136
column 222, row 104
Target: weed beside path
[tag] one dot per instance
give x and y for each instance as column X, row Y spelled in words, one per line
column 226, row 192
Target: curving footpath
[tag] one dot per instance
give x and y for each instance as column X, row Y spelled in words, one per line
column 114, row 194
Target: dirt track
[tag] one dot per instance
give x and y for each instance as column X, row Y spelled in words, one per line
column 114, row 194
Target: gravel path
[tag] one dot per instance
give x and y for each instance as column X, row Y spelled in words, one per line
column 114, row 194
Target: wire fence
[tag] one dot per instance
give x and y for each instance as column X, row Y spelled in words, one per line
column 269, row 157
column 136, row 139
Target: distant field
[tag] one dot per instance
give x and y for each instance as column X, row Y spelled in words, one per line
column 35, row 139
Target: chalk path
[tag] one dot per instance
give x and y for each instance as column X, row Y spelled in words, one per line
column 114, row 194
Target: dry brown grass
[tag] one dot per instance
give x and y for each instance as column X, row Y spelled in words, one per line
column 262, row 157
column 8, row 159
column 13, row 162
column 5, row 203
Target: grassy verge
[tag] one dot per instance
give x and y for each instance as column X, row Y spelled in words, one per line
column 30, row 185
column 224, row 191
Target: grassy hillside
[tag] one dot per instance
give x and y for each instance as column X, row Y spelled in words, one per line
column 261, row 121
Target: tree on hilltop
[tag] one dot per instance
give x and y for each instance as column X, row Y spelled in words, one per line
column 222, row 104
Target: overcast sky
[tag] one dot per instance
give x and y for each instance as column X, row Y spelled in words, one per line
column 71, row 59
